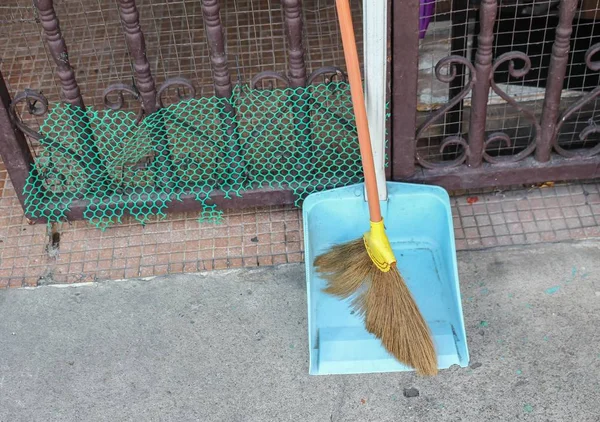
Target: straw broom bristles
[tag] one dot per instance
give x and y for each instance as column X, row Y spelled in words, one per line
column 384, row 301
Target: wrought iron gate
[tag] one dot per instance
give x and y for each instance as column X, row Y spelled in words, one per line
column 469, row 152
column 288, row 133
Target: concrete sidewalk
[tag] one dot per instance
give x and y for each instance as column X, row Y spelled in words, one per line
column 232, row 346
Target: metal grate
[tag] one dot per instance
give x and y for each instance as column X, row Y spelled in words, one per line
column 524, row 34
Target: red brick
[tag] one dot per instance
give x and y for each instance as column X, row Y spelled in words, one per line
column 577, row 233
column 279, row 259
column 221, row 242
column 533, row 237
column 90, row 266
column 489, row 241
column 525, row 216
column 176, row 267
column 161, row 270
column 265, row 260
column 15, row 282
column 104, row 264
column 554, row 213
column 31, row 280
column 177, row 247
column 465, row 210
column 131, row 272
column 117, row 274
column 220, row 264
column 518, row 239
column 146, row 271
column 163, row 248
column 592, row 231
column 295, row 257
column 471, row 233
column 504, row 240
column 558, row 224
column 105, row 254
column 190, row 267
column 548, row 236
column 569, row 212
column 511, row 217
column 75, row 267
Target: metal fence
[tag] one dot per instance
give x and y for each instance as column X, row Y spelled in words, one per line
column 490, row 94
column 506, row 94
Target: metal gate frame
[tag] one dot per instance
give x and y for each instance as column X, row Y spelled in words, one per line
column 544, row 161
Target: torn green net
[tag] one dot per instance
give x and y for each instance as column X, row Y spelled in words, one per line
column 303, row 139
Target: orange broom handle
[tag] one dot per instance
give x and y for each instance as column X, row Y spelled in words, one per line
column 358, row 102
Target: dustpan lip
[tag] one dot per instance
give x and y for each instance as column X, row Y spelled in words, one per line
column 316, row 197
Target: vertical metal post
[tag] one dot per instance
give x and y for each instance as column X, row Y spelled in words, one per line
column 375, row 60
column 134, row 37
column 70, row 90
column 292, row 12
column 59, row 52
column 405, row 63
column 458, row 46
column 216, row 44
column 556, row 76
column 144, row 82
column 483, row 72
column 223, row 89
column 13, row 146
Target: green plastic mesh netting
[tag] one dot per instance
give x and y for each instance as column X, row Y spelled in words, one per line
column 303, row 139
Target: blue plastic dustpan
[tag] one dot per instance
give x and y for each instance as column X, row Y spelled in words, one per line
column 418, row 222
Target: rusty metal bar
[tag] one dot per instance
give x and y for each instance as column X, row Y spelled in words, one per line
column 134, row 37
column 223, row 89
column 405, row 61
column 13, row 146
column 69, row 87
column 189, row 203
column 144, row 84
column 216, row 43
column 459, row 16
column 292, row 12
column 526, row 171
column 556, row 75
column 59, row 52
column 488, row 175
column 483, row 72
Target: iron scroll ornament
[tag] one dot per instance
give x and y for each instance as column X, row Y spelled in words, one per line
column 502, row 137
column 120, row 88
column 592, row 127
column 329, row 73
column 37, row 105
column 449, row 63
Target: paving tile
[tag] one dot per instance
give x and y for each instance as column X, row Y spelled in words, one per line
column 249, row 237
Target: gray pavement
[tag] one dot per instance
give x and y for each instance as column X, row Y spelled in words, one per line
column 232, row 346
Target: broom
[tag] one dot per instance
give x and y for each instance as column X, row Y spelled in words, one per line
column 384, row 301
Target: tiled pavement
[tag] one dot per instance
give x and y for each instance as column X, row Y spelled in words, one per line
column 78, row 252
column 31, row 254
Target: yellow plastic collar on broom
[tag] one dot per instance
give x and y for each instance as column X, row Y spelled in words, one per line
column 378, row 247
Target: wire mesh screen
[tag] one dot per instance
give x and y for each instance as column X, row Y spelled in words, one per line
column 582, row 80
column 446, row 30
column 262, row 135
column 175, row 39
column 523, row 37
